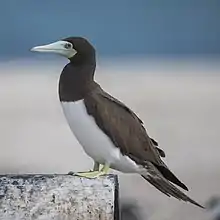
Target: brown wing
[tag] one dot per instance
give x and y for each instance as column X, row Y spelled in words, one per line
column 126, row 131
column 155, row 143
column 122, row 126
column 117, row 102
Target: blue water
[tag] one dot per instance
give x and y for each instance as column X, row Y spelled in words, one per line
column 124, row 27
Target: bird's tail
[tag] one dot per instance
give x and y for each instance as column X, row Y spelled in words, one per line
column 167, row 174
column 154, row 177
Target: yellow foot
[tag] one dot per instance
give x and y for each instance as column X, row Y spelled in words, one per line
column 74, row 173
column 95, row 168
column 90, row 175
column 93, row 174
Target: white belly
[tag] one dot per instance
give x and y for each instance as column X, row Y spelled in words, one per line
column 94, row 142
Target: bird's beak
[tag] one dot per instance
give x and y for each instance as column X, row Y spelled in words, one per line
column 51, row 48
column 57, row 47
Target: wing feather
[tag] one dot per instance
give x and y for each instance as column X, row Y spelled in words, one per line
column 122, row 126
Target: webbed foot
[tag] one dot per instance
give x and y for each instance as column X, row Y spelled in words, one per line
column 93, row 174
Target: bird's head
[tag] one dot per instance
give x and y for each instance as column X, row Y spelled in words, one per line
column 68, row 47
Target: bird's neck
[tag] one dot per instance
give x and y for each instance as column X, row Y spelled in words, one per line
column 77, row 80
column 82, row 59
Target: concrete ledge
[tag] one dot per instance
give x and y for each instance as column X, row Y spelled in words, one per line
column 58, row 197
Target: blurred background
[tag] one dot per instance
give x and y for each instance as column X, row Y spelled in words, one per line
column 161, row 58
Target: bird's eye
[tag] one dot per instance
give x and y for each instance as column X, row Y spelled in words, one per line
column 68, row 45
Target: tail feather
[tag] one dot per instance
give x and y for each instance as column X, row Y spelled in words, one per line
column 157, row 180
column 170, row 176
column 155, row 184
column 161, row 152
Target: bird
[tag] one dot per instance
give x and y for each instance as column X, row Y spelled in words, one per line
column 107, row 129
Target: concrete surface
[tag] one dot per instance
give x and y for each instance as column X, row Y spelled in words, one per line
column 47, row 197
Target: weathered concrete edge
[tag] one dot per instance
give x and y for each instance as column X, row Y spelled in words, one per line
column 117, row 212
column 112, row 177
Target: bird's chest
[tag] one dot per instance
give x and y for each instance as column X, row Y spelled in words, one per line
column 95, row 143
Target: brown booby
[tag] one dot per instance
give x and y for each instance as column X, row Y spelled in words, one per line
column 109, row 132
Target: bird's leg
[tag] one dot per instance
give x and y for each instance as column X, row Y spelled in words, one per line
column 94, row 174
column 96, row 166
